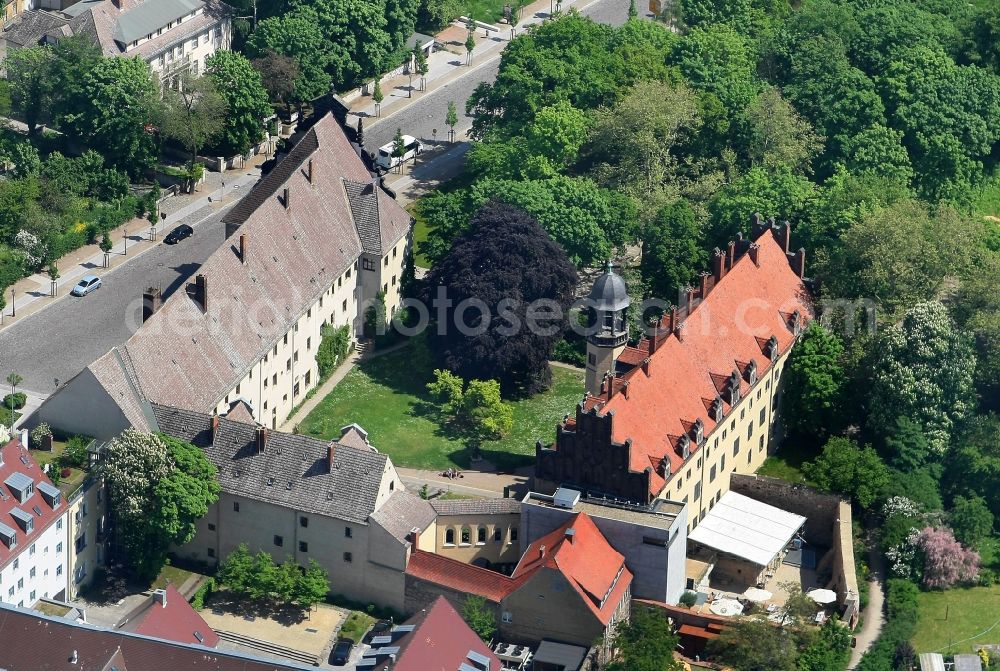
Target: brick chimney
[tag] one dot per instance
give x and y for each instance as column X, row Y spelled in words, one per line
column 784, row 236
column 414, row 537
column 689, row 299
column 646, row 365
column 730, row 255
column 215, row 428
column 244, row 248
column 757, row 226
column 753, row 252
column 799, row 262
column 674, row 321
column 541, row 552
column 718, row 264
column 285, row 196
column 331, row 453
column 152, row 301
column 201, row 291
column 160, row 596
column 261, row 438
column 703, row 290
column 309, row 171
column 570, row 533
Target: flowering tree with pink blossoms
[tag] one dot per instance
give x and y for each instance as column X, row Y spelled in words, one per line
column 946, row 562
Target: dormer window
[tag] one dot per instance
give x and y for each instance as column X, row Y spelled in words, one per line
column 751, row 372
column 734, row 388
column 771, row 348
column 665, row 467
column 21, row 486
column 684, row 446
column 795, row 322
column 23, row 519
column 698, row 432
column 8, row 536
column 717, row 411
column 51, row 494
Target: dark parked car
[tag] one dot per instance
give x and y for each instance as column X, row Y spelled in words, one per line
column 178, row 234
column 380, row 628
column 341, row 653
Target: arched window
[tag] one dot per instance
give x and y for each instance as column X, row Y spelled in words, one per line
column 481, row 535
column 466, row 535
column 449, row 537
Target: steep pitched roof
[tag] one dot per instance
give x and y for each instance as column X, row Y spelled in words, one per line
column 724, row 331
column 172, row 619
column 402, row 513
column 462, row 577
column 595, row 569
column 41, row 643
column 19, row 468
column 293, row 471
column 187, row 357
column 440, row 639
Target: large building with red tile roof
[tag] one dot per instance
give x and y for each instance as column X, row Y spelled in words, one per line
column 34, row 550
column 697, row 400
column 570, row 585
column 166, row 614
column 435, row 638
column 36, row 642
column 311, row 244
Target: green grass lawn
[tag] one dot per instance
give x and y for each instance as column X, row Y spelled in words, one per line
column 356, row 626
column 948, row 618
column 489, row 11
column 420, row 231
column 786, row 463
column 988, row 202
column 171, row 574
column 386, row 396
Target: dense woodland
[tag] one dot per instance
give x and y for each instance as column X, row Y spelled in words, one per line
column 874, row 128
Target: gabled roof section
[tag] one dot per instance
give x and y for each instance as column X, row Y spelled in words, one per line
column 402, row 513
column 723, row 332
column 18, row 470
column 171, row 618
column 440, row 639
column 297, row 249
column 462, row 577
column 42, row 643
column 364, row 207
column 293, row 471
column 581, row 553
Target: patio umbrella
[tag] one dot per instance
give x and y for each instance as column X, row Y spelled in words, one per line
column 757, row 595
column 822, row 596
column 727, row 607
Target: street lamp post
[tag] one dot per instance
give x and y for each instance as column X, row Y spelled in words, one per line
column 13, row 307
column 125, row 243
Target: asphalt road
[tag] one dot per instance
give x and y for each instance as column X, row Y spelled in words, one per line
column 420, row 117
column 58, row 342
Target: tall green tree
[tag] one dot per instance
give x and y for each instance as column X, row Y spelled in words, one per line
column 848, row 469
column 774, row 192
column 194, row 113
column 816, row 383
column 246, row 101
column 478, row 614
column 673, row 251
column 755, row 645
column 356, row 41
column 28, row 75
column 299, row 37
column 644, row 642
column 923, row 371
column 119, row 104
column 278, row 74
column 971, row 520
column 778, row 136
column 159, row 488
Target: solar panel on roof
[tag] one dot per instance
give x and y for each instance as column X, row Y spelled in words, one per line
column 365, row 662
column 381, row 640
column 479, row 658
column 404, row 628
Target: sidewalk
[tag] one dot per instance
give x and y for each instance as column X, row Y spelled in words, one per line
column 32, row 294
column 874, row 614
column 449, row 64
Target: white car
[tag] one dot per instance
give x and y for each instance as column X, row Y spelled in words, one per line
column 86, row 285
column 386, row 160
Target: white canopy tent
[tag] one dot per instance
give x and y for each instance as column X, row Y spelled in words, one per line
column 747, row 529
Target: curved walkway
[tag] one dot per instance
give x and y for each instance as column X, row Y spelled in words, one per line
column 874, row 613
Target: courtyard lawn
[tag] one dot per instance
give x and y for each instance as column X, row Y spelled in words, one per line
column 171, row 574
column 356, row 626
column 386, row 396
column 786, row 463
column 950, row 617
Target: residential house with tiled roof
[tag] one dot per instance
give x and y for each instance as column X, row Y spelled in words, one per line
column 435, row 638
column 36, row 642
column 696, row 401
column 339, row 502
column 33, row 533
column 170, row 35
column 167, row 615
column 311, row 244
column 570, row 585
